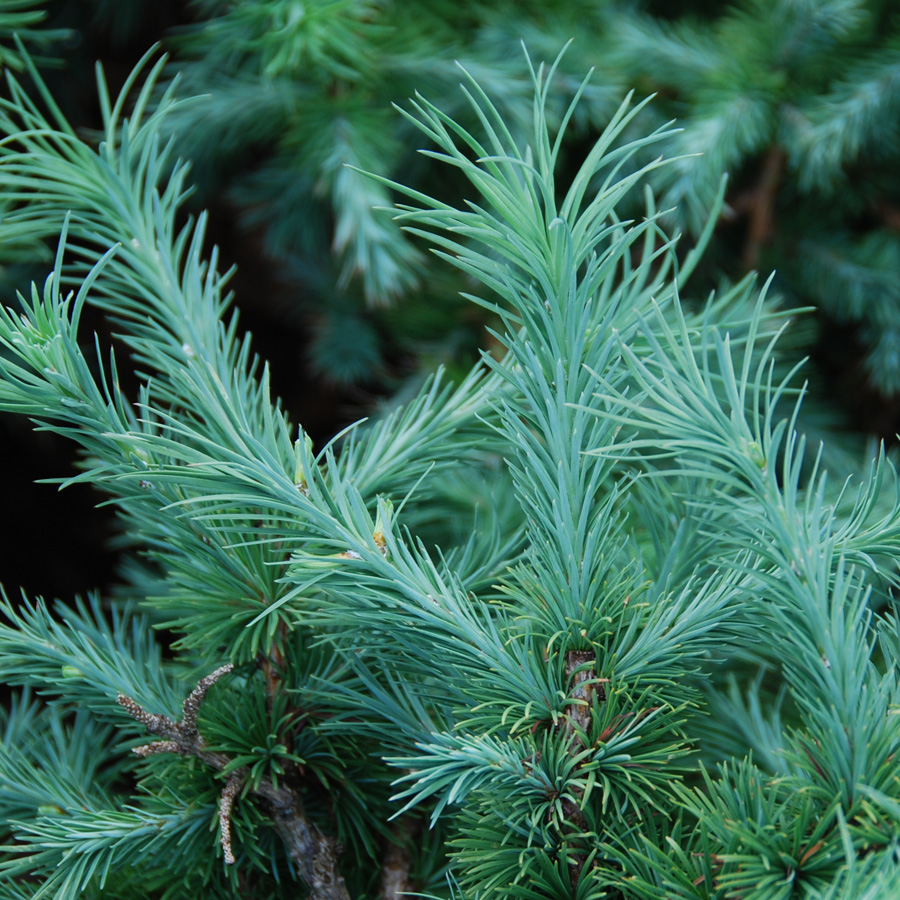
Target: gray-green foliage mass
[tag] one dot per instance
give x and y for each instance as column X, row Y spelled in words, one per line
column 514, row 639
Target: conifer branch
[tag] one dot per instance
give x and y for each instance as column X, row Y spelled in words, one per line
column 314, row 854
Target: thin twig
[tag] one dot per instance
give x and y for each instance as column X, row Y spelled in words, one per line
column 229, row 792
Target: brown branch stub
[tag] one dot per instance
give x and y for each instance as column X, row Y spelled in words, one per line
column 226, row 802
column 583, row 688
column 157, row 747
column 195, row 698
column 890, row 215
column 181, row 737
column 762, row 205
column 155, row 724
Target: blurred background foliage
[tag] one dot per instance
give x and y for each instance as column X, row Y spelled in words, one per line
column 798, row 100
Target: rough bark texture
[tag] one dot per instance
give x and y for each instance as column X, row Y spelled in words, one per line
column 314, row 854
column 396, row 861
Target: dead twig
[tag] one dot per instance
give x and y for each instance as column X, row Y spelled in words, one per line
column 314, row 854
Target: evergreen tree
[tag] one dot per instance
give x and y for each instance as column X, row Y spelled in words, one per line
column 297, row 690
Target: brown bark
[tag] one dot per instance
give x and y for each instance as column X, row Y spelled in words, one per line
column 760, row 204
column 890, row 215
column 396, row 862
column 314, row 854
